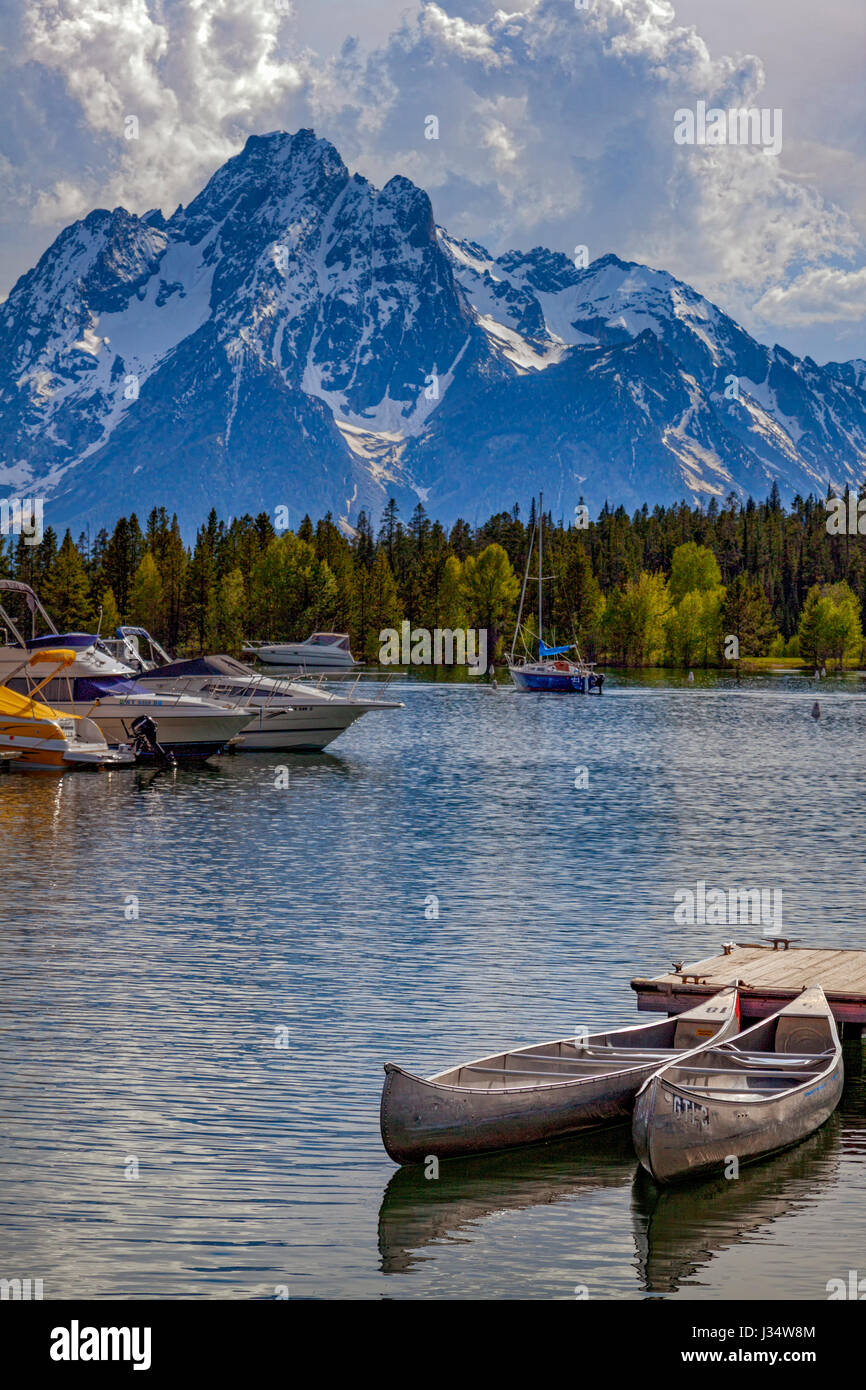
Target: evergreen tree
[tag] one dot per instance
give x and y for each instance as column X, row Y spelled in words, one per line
column 66, row 590
column 379, row 604
column 746, row 615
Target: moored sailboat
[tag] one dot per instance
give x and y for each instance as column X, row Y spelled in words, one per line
column 552, row 669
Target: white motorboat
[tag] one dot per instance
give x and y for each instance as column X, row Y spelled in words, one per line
column 97, row 686
column 287, row 714
column 322, row 651
column 42, row 739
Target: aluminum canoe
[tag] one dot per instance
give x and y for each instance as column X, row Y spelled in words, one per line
column 777, row 1082
column 541, row 1092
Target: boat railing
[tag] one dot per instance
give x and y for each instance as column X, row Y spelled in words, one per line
column 356, row 680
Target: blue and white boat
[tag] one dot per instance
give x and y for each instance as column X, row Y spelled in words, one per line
column 552, row 669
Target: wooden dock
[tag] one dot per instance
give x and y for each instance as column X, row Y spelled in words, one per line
column 770, row 974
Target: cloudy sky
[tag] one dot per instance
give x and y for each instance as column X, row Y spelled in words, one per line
column 555, row 127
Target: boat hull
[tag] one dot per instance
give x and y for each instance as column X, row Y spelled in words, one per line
column 299, row 659
column 196, row 734
column 298, row 730
column 41, row 747
column 675, row 1140
column 545, row 676
column 420, row 1119
column 291, row 719
column 305, row 728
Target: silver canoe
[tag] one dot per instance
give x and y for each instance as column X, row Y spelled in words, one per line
column 539, row 1092
column 769, row 1088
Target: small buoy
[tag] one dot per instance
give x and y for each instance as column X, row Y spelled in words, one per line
column 691, row 675
column 494, row 684
column 816, row 710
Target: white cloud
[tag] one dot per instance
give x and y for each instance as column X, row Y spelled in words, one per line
column 197, row 76
column 555, row 127
column 822, row 295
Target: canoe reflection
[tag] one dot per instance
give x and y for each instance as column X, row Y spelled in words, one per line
column 677, row 1230
column 417, row 1211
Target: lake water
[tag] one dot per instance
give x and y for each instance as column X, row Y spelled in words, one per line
column 164, row 934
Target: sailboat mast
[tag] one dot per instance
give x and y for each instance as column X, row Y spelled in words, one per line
column 540, row 563
column 523, row 590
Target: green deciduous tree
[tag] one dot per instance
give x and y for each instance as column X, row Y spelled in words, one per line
column 633, row 622
column 693, row 628
column 692, row 567
column 489, row 590
column 830, row 625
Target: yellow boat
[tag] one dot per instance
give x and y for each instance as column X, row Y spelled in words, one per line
column 41, row 738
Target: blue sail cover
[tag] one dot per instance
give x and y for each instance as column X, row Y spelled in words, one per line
column 544, row 650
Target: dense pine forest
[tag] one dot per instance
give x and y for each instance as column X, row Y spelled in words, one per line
column 667, row 586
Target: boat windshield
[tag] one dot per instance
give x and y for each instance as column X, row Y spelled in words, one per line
column 329, row 639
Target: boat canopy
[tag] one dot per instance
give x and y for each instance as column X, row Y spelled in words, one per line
column 544, row 650
column 22, row 707
column 96, row 687
column 80, row 641
column 204, row 666
column 14, row 586
column 52, row 656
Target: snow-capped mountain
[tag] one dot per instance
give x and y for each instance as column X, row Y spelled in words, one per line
column 296, row 337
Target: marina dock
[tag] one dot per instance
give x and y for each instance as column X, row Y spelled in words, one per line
column 770, row 974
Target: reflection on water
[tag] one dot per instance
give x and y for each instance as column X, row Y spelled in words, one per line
column 160, row 930
column 678, row 1229
column 418, row 1212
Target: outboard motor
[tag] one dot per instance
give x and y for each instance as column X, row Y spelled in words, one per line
column 146, row 744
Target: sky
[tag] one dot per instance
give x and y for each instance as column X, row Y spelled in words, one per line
column 555, row 127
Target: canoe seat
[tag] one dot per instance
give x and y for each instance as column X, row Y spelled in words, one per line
column 691, row 1032
column 539, row 1075
column 606, row 1052
column 802, row 1033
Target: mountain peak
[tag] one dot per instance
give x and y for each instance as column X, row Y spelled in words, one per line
column 270, row 168
column 296, row 332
